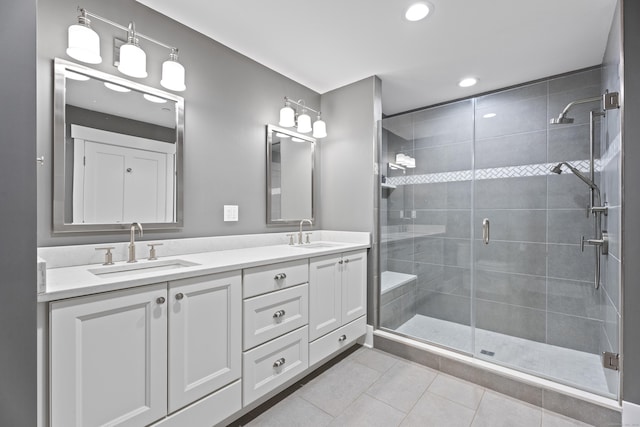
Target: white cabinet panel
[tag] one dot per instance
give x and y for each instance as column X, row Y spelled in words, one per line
column 204, row 336
column 274, row 277
column 354, row 286
column 274, row 314
column 108, row 358
column 324, row 295
column 324, row 347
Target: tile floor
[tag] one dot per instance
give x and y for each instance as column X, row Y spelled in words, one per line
column 368, row 388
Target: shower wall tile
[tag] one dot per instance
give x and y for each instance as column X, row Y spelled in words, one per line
column 574, row 298
column 392, row 294
column 443, row 251
column 401, row 198
column 611, row 322
column 452, row 308
column 400, row 249
column 578, row 333
column 570, row 142
column 567, row 262
column 568, row 225
column 511, row 193
column 588, row 78
column 513, row 225
column 515, row 289
column 512, row 320
column 511, row 96
column 610, row 180
column 613, row 229
column 611, row 280
column 446, row 158
column 520, row 116
column 457, row 222
column 445, row 195
column 509, row 257
column 511, row 150
column 429, row 250
column 400, row 266
column 397, row 311
column 447, row 124
column 567, row 192
column 438, row 278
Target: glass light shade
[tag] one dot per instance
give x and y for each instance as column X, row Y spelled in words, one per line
column 84, row 44
column 116, row 88
column 319, row 129
column 287, row 117
column 173, row 75
column 411, row 163
column 304, row 123
column 294, row 139
column 133, row 61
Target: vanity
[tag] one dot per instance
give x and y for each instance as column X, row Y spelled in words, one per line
column 205, row 333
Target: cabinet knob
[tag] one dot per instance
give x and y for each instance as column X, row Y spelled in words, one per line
column 179, row 296
column 160, row 300
column 340, row 262
column 280, row 276
column 279, row 362
column 346, row 261
column 278, row 314
column 342, row 338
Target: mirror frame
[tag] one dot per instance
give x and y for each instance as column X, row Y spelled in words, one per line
column 59, row 129
column 270, row 129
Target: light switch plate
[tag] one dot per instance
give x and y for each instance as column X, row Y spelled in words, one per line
column 230, row 213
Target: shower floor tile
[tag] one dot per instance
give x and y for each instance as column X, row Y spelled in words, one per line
column 571, row 367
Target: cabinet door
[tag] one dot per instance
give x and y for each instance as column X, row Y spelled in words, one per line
column 324, row 295
column 204, row 336
column 354, row 285
column 109, row 359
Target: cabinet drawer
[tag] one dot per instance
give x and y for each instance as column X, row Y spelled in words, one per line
column 274, row 314
column 274, row 363
column 334, row 341
column 273, row 277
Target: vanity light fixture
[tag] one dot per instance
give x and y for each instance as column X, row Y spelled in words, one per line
column 84, row 45
column 290, row 118
column 153, row 98
column 406, row 161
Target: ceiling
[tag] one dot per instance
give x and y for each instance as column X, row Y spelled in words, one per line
column 330, row 43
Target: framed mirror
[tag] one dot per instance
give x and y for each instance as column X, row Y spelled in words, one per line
column 290, row 161
column 117, row 153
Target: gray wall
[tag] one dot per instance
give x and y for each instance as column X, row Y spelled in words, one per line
column 347, row 156
column 18, row 215
column 228, row 101
column 631, row 197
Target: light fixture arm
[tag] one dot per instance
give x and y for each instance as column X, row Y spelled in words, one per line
column 300, row 103
column 84, row 13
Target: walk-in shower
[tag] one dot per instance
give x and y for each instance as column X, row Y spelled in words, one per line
column 525, row 297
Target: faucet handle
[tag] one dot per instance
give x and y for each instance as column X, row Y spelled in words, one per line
column 108, row 256
column 290, row 236
column 152, row 250
column 308, row 238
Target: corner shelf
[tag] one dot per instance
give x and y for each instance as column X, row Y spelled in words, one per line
column 389, row 186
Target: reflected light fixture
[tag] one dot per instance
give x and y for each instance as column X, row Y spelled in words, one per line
column 84, row 45
column 83, row 42
column 290, row 118
column 468, row 82
column 116, row 88
column 76, row 76
column 153, row 98
column 406, row 161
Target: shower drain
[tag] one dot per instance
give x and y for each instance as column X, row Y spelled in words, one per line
column 488, row 353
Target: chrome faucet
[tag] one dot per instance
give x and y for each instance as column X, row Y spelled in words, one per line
column 300, row 232
column 132, row 243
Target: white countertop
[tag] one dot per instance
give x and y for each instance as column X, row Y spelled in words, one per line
column 74, row 281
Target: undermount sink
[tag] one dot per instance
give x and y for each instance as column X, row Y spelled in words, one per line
column 140, row 268
column 318, row 245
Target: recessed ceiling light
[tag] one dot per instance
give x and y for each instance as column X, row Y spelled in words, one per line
column 417, row 11
column 489, row 116
column 469, row 81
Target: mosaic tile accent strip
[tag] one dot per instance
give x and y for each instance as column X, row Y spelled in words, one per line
column 540, row 169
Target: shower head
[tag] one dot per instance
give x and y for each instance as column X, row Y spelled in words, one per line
column 558, row 169
column 562, row 119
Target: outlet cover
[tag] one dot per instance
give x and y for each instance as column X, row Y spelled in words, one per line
column 230, row 213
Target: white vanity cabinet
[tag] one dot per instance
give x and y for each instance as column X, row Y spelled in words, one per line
column 338, row 302
column 108, row 358
column 204, row 336
column 131, row 357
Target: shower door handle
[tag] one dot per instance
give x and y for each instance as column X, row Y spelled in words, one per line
column 485, row 231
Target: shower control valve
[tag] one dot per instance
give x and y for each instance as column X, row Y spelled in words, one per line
column 602, row 243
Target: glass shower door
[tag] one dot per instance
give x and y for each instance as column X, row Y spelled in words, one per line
column 426, row 225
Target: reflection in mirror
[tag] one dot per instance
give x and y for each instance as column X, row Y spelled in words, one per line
column 117, row 152
column 289, row 176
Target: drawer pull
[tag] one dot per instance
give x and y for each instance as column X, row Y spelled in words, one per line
column 279, row 362
column 342, row 338
column 179, row 296
column 278, row 314
column 280, row 276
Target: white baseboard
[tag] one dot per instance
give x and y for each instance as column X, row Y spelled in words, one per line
column 368, row 339
column 630, row 414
